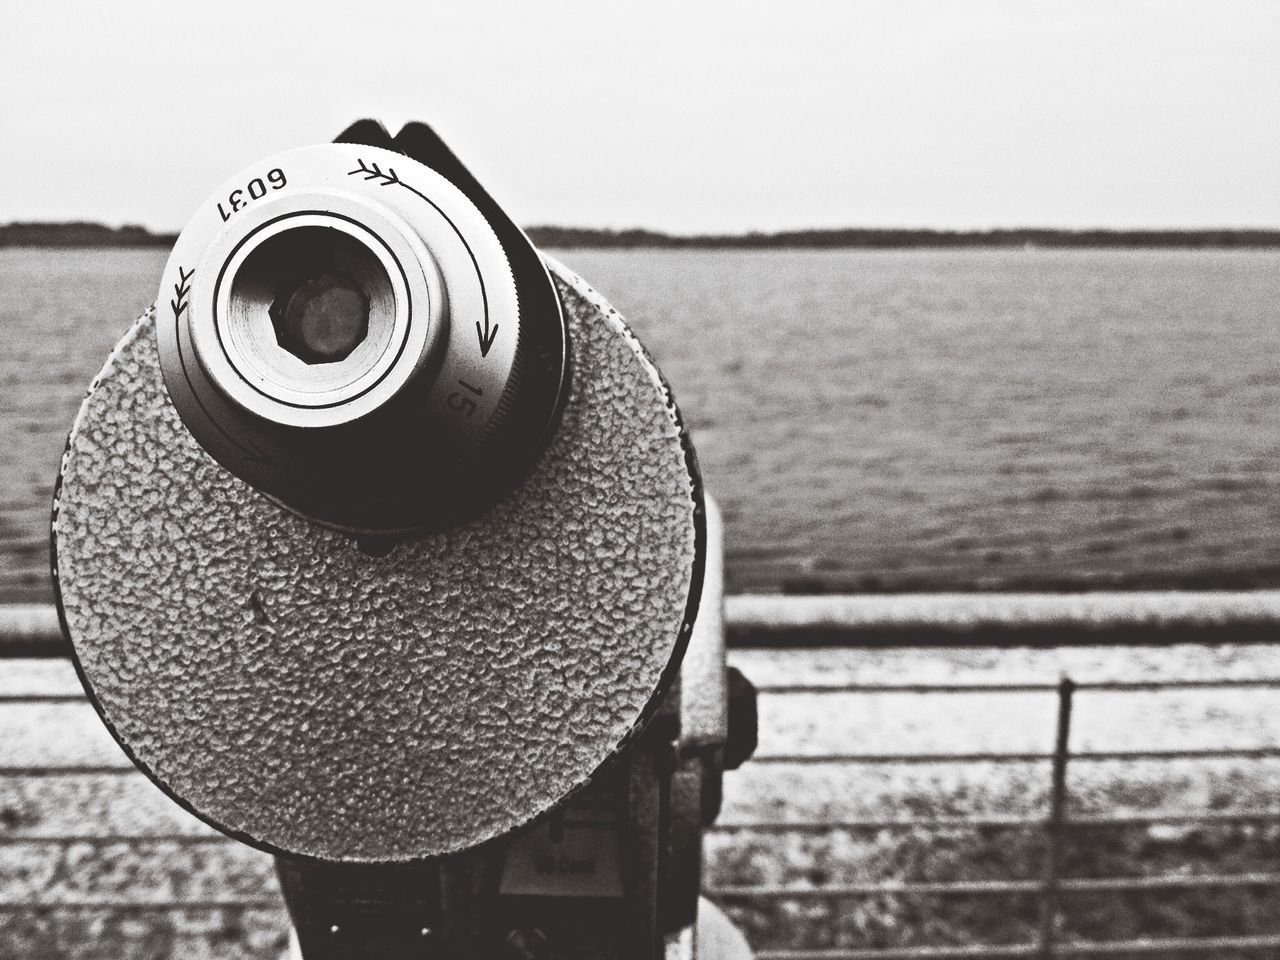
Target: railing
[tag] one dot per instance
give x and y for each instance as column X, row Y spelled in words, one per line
column 760, row 624
column 1051, row 883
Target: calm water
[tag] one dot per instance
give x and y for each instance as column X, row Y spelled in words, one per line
column 868, row 420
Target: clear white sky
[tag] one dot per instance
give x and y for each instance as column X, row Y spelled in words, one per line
column 696, row 116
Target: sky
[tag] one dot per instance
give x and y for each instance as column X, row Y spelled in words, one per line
column 689, row 117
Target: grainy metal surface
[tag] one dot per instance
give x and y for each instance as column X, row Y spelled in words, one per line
column 312, row 699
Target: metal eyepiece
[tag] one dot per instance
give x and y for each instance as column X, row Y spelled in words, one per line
column 327, row 295
column 311, row 318
column 341, row 327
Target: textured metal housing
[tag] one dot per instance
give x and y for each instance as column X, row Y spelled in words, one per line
column 314, row 700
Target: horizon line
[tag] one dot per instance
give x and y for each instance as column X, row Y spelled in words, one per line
column 89, row 233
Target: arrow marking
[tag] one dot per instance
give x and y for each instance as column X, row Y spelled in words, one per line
column 486, row 335
column 178, row 305
column 371, row 171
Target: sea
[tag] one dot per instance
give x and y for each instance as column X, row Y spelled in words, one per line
column 869, row 421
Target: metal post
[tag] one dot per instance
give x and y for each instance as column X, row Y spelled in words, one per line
column 1054, row 825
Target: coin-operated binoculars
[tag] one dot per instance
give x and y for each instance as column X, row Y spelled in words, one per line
column 383, row 548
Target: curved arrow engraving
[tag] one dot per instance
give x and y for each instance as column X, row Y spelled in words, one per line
column 181, row 290
column 372, row 171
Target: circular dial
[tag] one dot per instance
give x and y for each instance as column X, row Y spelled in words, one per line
column 340, row 326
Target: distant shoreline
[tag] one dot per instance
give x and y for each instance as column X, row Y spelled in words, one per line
column 93, row 235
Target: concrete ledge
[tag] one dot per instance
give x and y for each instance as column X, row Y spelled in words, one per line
column 968, row 611
column 1000, row 619
column 988, row 619
column 30, row 630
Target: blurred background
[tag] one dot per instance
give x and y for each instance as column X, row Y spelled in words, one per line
column 967, row 297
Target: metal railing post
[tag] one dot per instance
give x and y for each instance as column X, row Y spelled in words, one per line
column 1054, row 825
